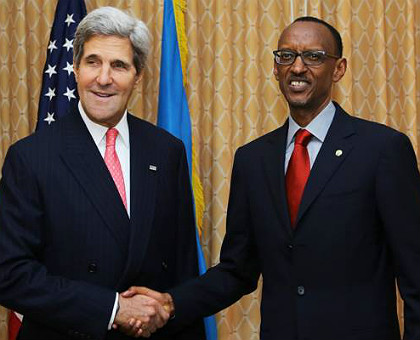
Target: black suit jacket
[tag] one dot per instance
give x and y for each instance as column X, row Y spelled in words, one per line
column 66, row 241
column 358, row 230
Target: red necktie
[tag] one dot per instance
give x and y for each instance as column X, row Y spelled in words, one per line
column 113, row 163
column 297, row 173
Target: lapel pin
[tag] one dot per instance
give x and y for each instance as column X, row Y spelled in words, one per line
column 153, row 167
column 338, row 152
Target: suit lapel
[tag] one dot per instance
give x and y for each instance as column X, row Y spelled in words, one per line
column 336, row 147
column 84, row 161
column 144, row 169
column 274, row 166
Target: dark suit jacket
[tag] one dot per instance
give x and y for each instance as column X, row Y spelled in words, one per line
column 358, row 230
column 66, row 242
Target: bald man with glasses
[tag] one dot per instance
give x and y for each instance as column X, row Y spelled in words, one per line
column 326, row 208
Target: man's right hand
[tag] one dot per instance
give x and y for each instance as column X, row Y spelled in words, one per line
column 140, row 315
column 164, row 299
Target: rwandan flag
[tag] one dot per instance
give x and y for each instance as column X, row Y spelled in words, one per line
column 173, row 113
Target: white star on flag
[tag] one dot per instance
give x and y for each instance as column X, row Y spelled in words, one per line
column 51, row 70
column 68, row 44
column 50, row 118
column 69, row 20
column 69, row 94
column 51, row 93
column 52, row 46
column 68, row 68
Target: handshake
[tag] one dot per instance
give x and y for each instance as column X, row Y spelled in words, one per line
column 142, row 311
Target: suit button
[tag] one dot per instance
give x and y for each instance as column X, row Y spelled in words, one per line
column 290, row 246
column 92, row 267
column 164, row 265
column 301, row 290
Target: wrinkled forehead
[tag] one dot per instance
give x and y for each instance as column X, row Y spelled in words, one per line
column 303, row 35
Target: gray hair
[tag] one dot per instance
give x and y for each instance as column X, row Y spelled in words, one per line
column 112, row 21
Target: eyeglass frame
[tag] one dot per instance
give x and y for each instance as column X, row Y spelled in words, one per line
column 300, row 54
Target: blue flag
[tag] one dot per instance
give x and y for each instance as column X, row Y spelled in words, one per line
column 173, row 112
column 58, row 90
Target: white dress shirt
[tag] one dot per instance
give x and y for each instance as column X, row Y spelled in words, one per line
column 122, row 148
column 318, row 127
column 122, row 145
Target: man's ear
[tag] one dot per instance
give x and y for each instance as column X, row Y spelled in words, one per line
column 75, row 71
column 340, row 69
column 139, row 77
column 276, row 71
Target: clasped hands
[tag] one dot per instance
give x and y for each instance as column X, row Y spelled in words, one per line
column 142, row 311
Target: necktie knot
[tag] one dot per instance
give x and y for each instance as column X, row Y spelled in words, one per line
column 111, row 136
column 303, row 137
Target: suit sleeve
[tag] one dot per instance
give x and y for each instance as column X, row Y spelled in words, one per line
column 69, row 306
column 186, row 257
column 238, row 271
column 398, row 195
column 186, row 247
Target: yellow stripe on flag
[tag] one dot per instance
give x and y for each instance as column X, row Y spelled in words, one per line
column 180, row 7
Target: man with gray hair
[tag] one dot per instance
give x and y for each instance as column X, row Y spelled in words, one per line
column 97, row 203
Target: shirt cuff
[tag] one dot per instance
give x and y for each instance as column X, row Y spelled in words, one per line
column 114, row 312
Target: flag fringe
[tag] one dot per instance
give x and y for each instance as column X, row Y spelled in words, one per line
column 180, row 7
column 198, row 191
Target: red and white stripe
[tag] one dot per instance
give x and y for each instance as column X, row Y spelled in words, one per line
column 15, row 320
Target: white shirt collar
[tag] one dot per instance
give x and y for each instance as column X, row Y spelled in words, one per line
column 318, row 127
column 98, row 131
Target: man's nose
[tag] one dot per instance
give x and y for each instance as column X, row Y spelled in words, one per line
column 298, row 65
column 104, row 76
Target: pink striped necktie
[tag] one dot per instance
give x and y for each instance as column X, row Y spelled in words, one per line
column 113, row 163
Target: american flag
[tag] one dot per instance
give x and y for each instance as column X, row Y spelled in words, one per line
column 15, row 320
column 58, row 90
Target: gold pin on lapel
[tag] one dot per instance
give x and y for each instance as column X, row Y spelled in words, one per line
column 338, row 152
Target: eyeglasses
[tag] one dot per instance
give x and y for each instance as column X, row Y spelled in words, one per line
column 309, row 58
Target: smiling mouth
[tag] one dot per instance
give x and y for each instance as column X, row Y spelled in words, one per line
column 298, row 85
column 102, row 95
